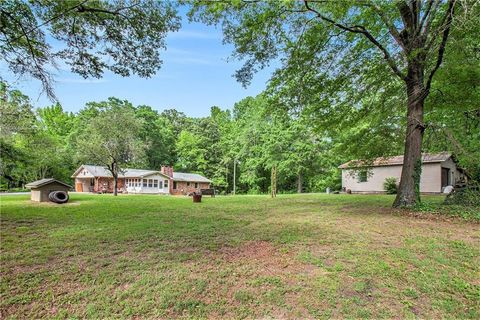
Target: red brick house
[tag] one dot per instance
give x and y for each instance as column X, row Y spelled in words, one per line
column 89, row 178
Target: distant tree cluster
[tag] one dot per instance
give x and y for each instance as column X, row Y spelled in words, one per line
column 357, row 79
column 258, row 134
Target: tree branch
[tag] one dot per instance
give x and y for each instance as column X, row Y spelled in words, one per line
column 391, row 28
column 428, row 17
column 441, row 48
column 40, row 72
column 361, row 30
column 50, row 20
column 443, row 24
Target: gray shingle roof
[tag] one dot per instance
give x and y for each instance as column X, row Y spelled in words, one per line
column 396, row 160
column 189, row 177
column 99, row 171
column 43, row 182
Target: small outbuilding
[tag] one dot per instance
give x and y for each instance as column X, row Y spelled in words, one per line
column 42, row 188
column 439, row 170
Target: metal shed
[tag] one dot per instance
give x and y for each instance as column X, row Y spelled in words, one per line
column 42, row 188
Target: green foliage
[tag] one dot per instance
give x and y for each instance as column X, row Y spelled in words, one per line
column 158, row 136
column 453, row 108
column 468, row 196
column 336, row 66
column 466, row 212
column 31, row 149
column 390, row 185
column 123, row 37
column 111, row 138
column 191, row 155
column 417, row 173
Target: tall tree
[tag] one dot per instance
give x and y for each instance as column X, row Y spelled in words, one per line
column 57, row 126
column 158, row 136
column 121, row 36
column 17, row 121
column 418, row 33
column 452, row 112
column 112, row 139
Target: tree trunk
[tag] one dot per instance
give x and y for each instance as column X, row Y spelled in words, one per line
column 115, row 178
column 408, row 191
column 299, row 183
column 274, row 181
column 115, row 183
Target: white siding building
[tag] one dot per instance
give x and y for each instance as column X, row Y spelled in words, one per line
column 438, row 171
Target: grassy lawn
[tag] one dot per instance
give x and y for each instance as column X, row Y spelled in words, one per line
column 307, row 256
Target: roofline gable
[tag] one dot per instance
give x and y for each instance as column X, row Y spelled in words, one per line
column 152, row 173
column 47, row 181
column 122, row 174
column 384, row 161
column 75, row 174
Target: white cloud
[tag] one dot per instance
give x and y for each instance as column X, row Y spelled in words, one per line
column 195, row 35
column 181, row 56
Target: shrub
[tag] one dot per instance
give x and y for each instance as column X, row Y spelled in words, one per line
column 390, row 185
column 17, row 190
column 468, row 196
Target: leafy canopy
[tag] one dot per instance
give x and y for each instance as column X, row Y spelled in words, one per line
column 89, row 36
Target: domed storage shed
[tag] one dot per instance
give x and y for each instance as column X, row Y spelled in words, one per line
column 42, row 188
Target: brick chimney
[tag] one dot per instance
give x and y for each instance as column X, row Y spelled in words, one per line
column 167, row 170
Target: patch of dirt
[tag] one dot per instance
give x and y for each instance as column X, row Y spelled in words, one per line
column 266, row 258
column 254, row 269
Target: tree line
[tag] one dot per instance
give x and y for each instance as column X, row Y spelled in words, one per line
column 50, row 142
column 357, row 79
column 260, row 134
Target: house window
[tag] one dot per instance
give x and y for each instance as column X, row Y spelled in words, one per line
column 363, row 176
column 145, row 184
column 150, row 183
column 188, row 184
column 165, row 184
column 174, row 185
column 155, row 183
column 196, row 185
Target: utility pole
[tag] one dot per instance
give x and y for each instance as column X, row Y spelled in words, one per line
column 234, row 174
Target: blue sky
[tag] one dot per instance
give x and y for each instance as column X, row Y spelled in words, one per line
column 195, row 76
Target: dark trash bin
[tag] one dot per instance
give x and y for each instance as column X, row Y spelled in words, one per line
column 197, row 197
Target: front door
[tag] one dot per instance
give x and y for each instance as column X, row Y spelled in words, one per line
column 79, row 187
column 445, row 175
